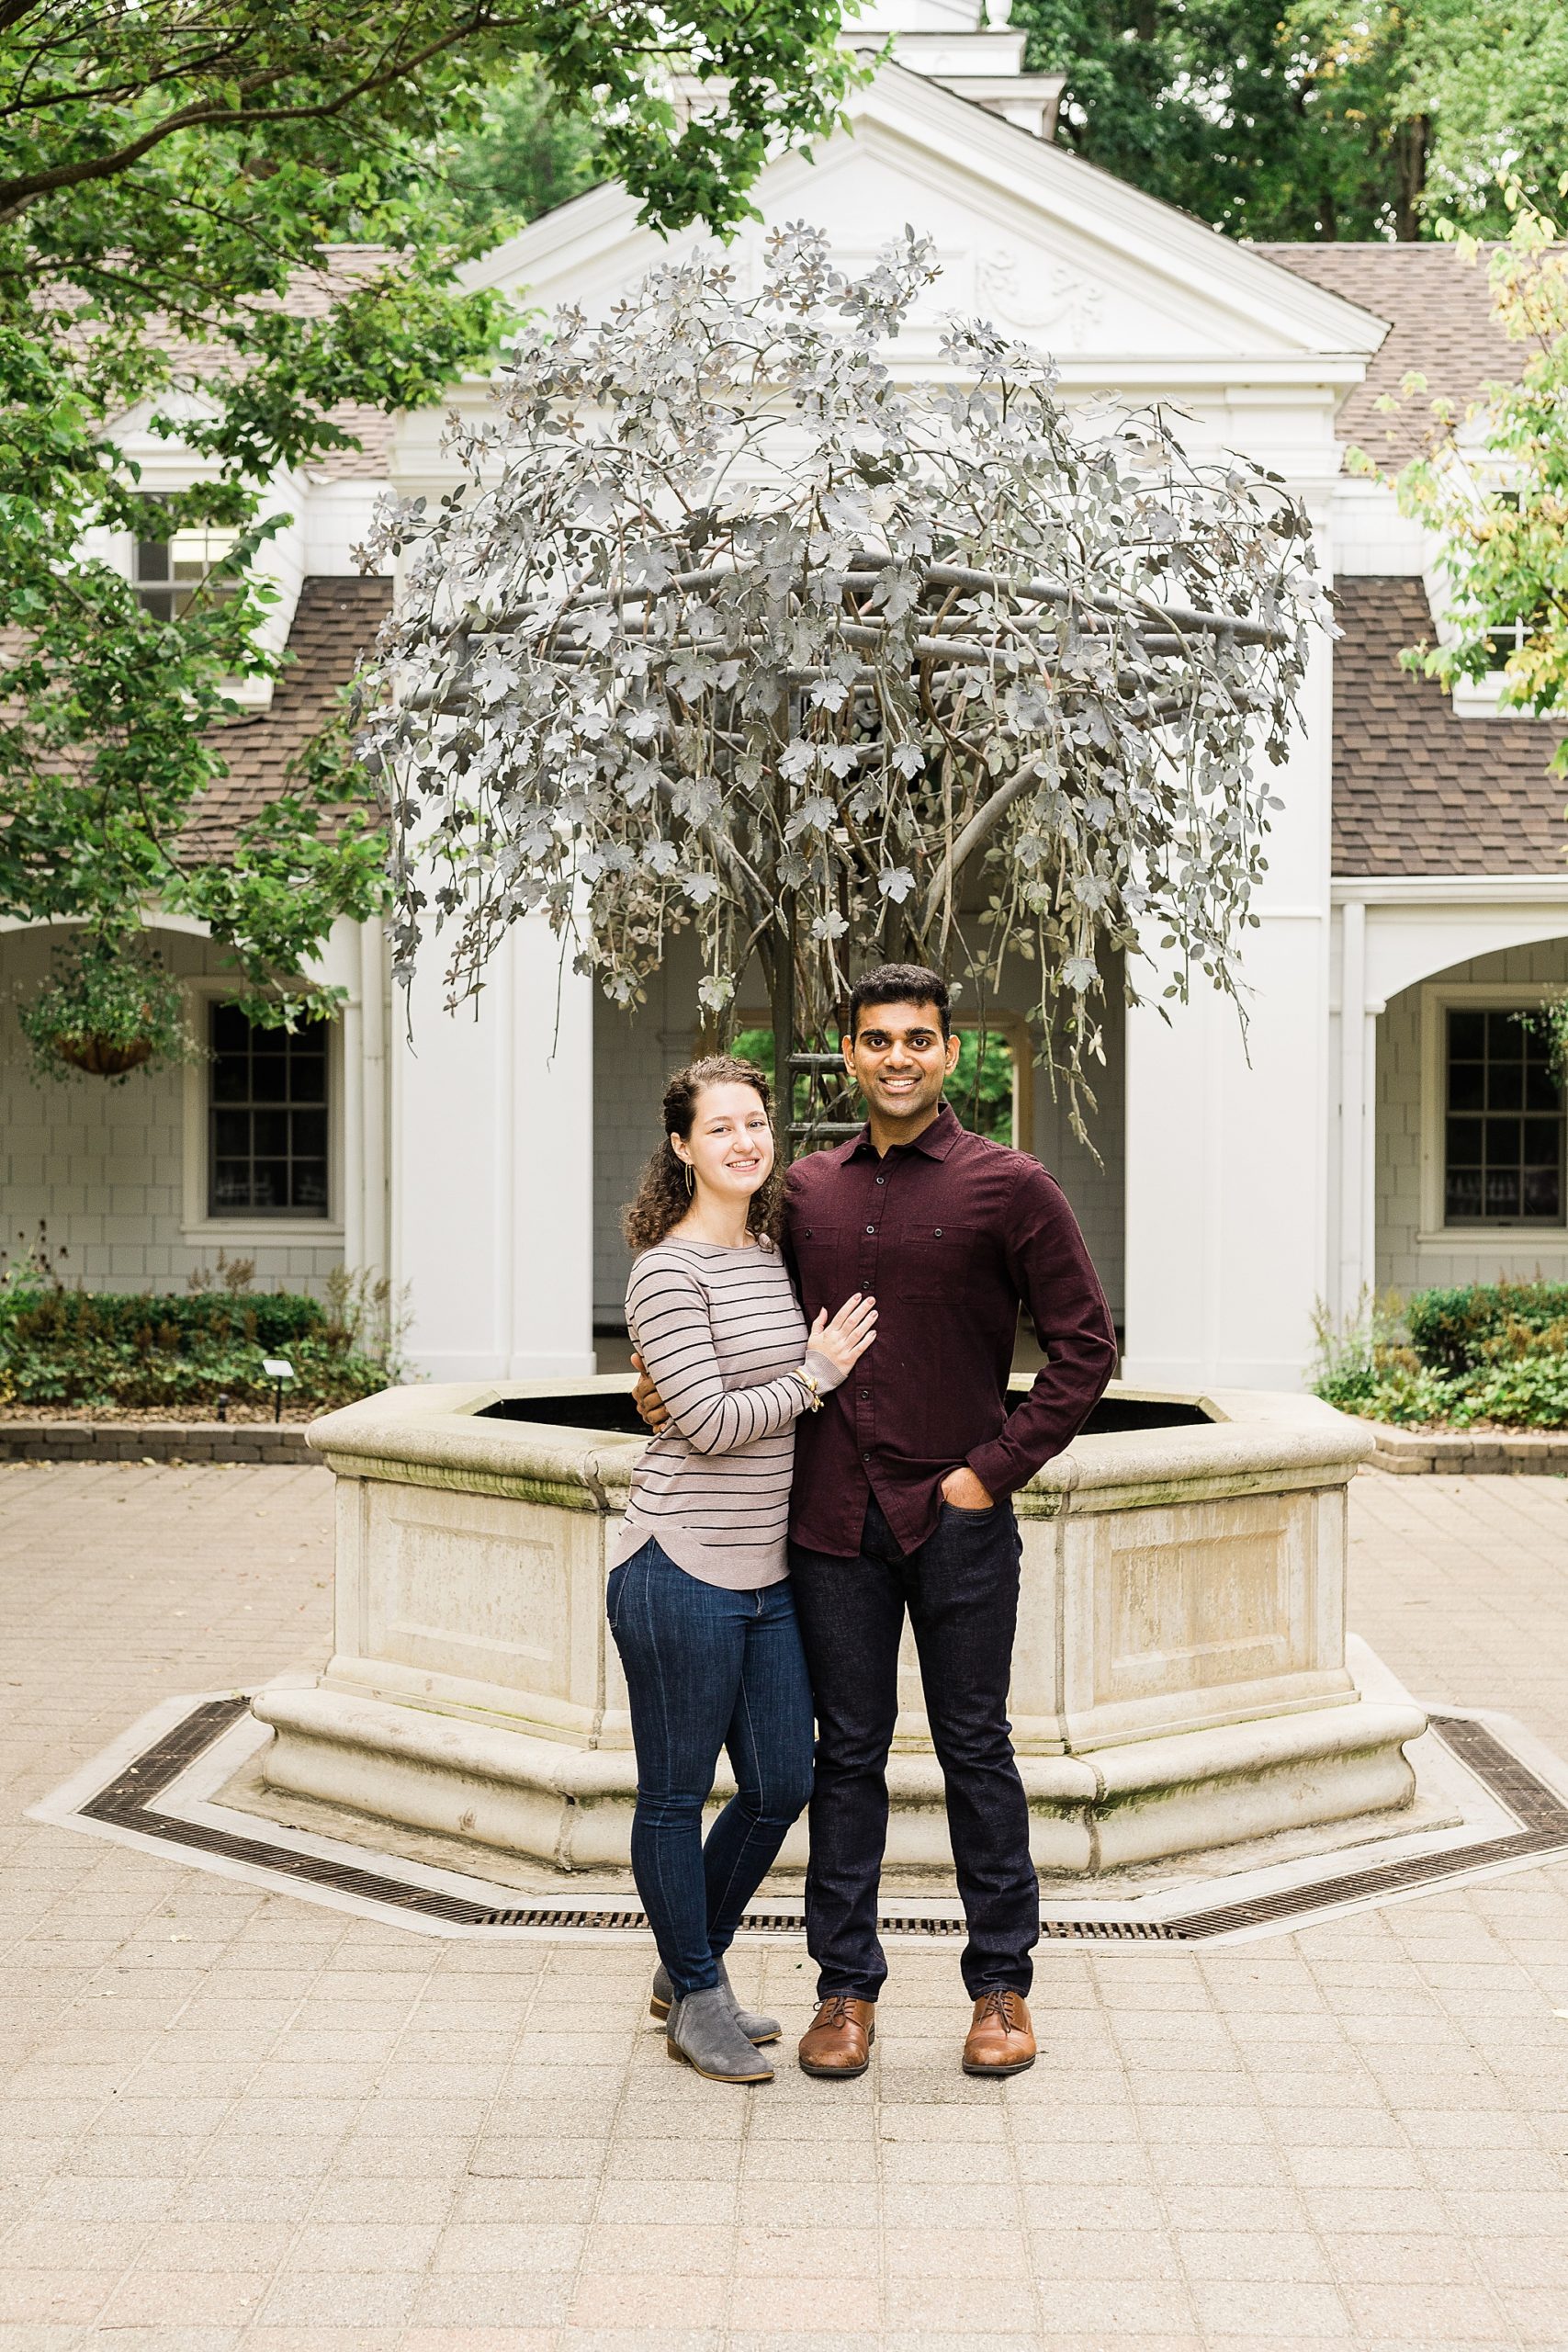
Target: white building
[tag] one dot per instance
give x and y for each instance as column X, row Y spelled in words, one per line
column 1416, row 887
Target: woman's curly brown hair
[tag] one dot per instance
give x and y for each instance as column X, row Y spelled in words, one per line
column 663, row 1199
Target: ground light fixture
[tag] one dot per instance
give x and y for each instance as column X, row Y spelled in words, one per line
column 277, row 1369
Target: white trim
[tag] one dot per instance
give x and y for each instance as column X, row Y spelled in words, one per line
column 1436, row 996
column 1451, row 890
column 254, row 1232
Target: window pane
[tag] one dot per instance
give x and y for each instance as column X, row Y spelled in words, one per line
column 269, row 1185
column 268, row 1125
column 1541, row 1090
column 310, row 1133
column 232, row 1184
column 1543, row 1192
column 1499, row 1165
column 1461, row 1198
column 1465, row 1142
column 311, row 1185
column 151, row 558
column 1467, row 1086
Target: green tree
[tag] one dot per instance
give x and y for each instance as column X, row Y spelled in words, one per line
column 1314, row 118
column 1493, row 488
column 178, row 181
column 528, row 153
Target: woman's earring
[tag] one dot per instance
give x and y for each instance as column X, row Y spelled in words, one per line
column 690, row 1180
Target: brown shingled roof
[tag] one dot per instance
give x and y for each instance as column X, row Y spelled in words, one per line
column 1441, row 326
column 1417, row 790
column 334, row 627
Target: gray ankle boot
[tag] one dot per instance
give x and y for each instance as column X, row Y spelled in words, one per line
column 755, row 2027
column 701, row 2029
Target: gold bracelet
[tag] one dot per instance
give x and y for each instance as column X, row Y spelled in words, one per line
column 813, row 1386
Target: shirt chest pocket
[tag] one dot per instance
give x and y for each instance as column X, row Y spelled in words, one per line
column 932, row 1261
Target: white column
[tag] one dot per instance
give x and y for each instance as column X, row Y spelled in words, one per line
column 374, row 981
column 1352, row 1105
column 492, row 1168
column 1228, row 1135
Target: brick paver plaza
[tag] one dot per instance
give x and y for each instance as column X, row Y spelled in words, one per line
column 232, row 2117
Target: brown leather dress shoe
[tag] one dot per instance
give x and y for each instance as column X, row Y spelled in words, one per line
column 1001, row 2040
column 839, row 2039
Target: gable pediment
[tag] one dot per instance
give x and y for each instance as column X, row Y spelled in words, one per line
column 1120, row 287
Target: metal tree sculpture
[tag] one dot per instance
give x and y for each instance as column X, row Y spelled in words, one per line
column 730, row 629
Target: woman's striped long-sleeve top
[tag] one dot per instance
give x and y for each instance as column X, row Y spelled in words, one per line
column 723, row 1338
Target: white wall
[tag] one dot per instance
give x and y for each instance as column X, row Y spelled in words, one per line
column 105, row 1164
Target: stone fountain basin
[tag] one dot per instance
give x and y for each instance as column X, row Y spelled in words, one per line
column 1179, row 1676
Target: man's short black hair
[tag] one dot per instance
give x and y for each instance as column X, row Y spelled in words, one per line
column 900, row 984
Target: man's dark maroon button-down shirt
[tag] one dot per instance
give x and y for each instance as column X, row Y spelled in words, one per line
column 950, row 1232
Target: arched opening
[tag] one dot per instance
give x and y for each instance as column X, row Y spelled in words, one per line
column 1471, row 1140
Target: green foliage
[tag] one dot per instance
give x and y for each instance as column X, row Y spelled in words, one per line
column 179, row 180
column 108, row 1006
column 1455, row 1329
column 77, row 1347
column 528, row 153
column 1526, row 1392
column 1493, row 487
column 1368, row 1366
column 1315, row 119
column 1477, row 1354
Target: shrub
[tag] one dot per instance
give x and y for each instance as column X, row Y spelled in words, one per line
column 1526, row 1391
column 177, row 1351
column 1450, row 1330
column 1494, row 1352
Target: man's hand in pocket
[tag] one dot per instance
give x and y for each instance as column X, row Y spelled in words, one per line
column 964, row 1491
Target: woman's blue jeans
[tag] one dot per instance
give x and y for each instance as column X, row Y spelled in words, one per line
column 707, row 1669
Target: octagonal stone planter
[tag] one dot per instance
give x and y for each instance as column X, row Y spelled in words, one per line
column 1179, row 1677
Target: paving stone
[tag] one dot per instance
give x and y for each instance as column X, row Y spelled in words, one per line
column 295, row 2132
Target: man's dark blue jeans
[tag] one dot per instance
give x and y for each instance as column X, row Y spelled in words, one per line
column 961, row 1591
column 707, row 1669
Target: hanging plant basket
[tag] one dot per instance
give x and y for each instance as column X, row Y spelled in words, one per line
column 108, row 1008
column 104, row 1056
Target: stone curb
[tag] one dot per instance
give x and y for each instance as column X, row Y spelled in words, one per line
column 1415, row 1453
column 44, row 1441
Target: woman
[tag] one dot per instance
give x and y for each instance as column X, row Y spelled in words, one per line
column 699, row 1599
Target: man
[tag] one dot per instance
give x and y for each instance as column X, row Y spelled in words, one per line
column 900, row 1501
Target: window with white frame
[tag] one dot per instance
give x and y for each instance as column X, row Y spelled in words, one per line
column 168, row 573
column 1502, row 1119
column 267, row 1126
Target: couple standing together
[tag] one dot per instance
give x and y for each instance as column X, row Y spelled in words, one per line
column 758, row 1581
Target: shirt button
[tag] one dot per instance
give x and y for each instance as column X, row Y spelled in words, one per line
column 871, row 1228
column 939, row 1233
column 882, row 1180
column 864, row 1393
column 865, row 1457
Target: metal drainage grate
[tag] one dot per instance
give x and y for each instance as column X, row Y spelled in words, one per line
column 793, row 1923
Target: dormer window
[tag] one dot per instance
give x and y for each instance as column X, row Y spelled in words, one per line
column 170, row 572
